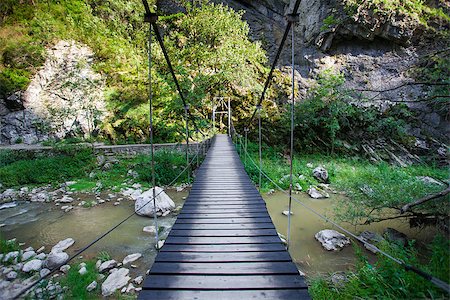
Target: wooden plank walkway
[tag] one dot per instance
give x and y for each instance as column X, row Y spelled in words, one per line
column 223, row 244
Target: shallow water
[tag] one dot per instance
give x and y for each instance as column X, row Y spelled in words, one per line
column 42, row 224
column 306, row 251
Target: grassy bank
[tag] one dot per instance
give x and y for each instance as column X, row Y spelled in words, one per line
column 18, row 169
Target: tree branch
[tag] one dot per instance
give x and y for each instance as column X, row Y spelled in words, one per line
column 408, row 206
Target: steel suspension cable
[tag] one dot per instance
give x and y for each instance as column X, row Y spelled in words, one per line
column 436, row 281
column 274, row 64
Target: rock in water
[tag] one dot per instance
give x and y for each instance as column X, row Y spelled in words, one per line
column 115, row 281
column 321, row 174
column 144, row 203
column 317, row 194
column 396, row 236
column 63, row 245
column 332, row 240
column 130, row 258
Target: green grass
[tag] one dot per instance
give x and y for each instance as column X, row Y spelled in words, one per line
column 8, row 246
column 103, row 256
column 83, row 185
column 386, row 279
column 77, row 283
column 392, row 186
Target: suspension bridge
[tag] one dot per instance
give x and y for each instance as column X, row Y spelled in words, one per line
column 223, row 244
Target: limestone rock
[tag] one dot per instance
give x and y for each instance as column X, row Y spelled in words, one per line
column 82, row 271
column 44, row 272
column 132, row 257
column 317, row 194
column 65, row 269
column 144, row 203
column 107, row 265
column 32, row 265
column 115, row 281
column 27, row 255
column 321, row 174
column 332, row 240
column 138, row 280
column 92, row 286
column 149, row 229
column 286, row 213
column 55, row 259
column 63, row 245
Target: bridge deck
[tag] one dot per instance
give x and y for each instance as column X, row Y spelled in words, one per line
column 223, row 244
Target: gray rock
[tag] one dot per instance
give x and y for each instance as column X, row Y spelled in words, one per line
column 82, row 271
column 44, row 272
column 332, row 240
column 395, row 236
column 138, row 280
column 11, row 275
column 315, row 193
column 92, row 286
column 27, row 255
column 149, row 229
column 63, row 245
column 65, row 269
column 339, row 279
column 107, row 265
column 41, row 256
column 40, row 197
column 10, row 256
column 321, row 174
column 32, row 265
column 55, row 259
column 130, row 258
column 115, row 281
column 66, row 199
column 144, row 203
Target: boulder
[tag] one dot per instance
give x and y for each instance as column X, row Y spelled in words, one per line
column 44, row 272
column 316, row 193
column 10, row 256
column 132, row 257
column 107, row 265
column 55, row 259
column 115, row 281
column 321, row 174
column 27, row 255
column 82, row 271
column 144, row 203
column 32, row 265
column 11, row 275
column 332, row 240
column 63, row 245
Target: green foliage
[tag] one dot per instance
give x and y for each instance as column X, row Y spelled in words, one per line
column 7, row 246
column 77, row 283
column 329, row 22
column 66, row 164
column 386, row 279
column 89, row 203
column 103, row 256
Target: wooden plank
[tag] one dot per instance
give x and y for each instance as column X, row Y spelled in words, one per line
column 224, row 220
column 217, row 282
column 183, row 215
column 224, row 233
column 300, row 294
column 230, row 268
column 223, row 226
column 222, row 258
column 223, row 248
column 222, row 240
column 211, row 210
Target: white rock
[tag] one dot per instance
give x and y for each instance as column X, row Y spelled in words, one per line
column 81, row 265
column 160, row 244
column 149, row 229
column 92, row 286
column 138, row 280
column 55, row 259
column 98, row 264
column 116, row 203
column 66, row 199
column 115, row 281
column 144, row 203
column 41, row 256
column 27, row 255
column 28, row 249
column 429, row 180
column 32, row 265
column 65, row 269
column 40, row 197
column 40, row 249
column 107, row 265
column 82, row 271
column 166, row 213
column 44, row 272
column 321, row 174
column 130, row 288
column 10, row 256
column 286, row 213
column 316, row 194
column 64, row 207
column 63, row 245
column 132, row 257
column 331, row 239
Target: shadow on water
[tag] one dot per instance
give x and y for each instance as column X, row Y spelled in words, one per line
column 307, row 252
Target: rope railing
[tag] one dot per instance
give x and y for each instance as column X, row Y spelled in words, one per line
column 93, row 242
column 436, row 281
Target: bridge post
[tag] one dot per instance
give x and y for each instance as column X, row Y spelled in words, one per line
column 246, row 143
column 186, row 112
column 291, row 18
column 259, row 107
